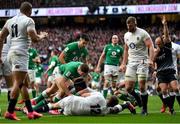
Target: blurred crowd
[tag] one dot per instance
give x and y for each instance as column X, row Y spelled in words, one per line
column 68, row 3
column 100, row 36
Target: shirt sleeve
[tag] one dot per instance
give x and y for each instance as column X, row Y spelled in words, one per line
column 178, row 49
column 6, row 24
column 67, row 74
column 145, row 35
column 30, row 24
column 68, row 50
column 105, row 49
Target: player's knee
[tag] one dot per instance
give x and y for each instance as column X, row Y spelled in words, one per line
column 50, row 91
column 142, row 89
column 108, row 80
column 164, row 91
column 129, row 89
column 176, row 90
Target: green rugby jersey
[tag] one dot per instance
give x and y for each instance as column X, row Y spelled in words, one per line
column 113, row 54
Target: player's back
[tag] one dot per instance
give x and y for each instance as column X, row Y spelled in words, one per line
column 92, row 104
column 17, row 27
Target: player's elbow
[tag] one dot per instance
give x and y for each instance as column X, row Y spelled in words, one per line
column 61, row 57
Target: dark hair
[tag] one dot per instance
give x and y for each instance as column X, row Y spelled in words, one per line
column 85, row 37
column 113, row 100
column 80, row 84
column 25, row 7
column 84, row 68
column 131, row 19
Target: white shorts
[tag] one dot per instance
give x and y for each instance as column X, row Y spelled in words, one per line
column 19, row 61
column 5, row 68
column 51, row 78
column 32, row 75
column 38, row 80
column 56, row 72
column 111, row 70
column 136, row 68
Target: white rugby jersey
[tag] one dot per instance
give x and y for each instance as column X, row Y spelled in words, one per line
column 18, row 27
column 6, row 46
column 77, row 105
column 135, row 42
column 175, row 53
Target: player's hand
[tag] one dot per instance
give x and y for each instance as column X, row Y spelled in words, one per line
column 163, row 20
column 154, row 74
column 43, row 34
column 97, row 69
column 122, row 68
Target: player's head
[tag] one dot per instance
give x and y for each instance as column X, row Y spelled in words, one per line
column 131, row 23
column 112, row 101
column 83, row 69
column 114, row 39
column 159, row 42
column 80, row 84
column 83, row 40
column 26, row 8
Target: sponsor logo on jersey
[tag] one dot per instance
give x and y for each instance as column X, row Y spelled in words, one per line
column 68, row 73
column 114, row 53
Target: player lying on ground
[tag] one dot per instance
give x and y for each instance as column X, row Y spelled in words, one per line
column 89, row 103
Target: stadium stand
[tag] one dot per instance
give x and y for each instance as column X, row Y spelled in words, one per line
column 59, row 37
column 70, row 3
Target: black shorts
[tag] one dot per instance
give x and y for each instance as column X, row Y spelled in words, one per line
column 166, row 76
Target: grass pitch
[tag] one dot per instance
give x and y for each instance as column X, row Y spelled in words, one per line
column 154, row 116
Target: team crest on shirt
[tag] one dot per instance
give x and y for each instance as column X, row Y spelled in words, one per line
column 118, row 50
column 132, row 45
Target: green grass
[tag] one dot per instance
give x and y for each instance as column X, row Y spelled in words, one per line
column 154, row 115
